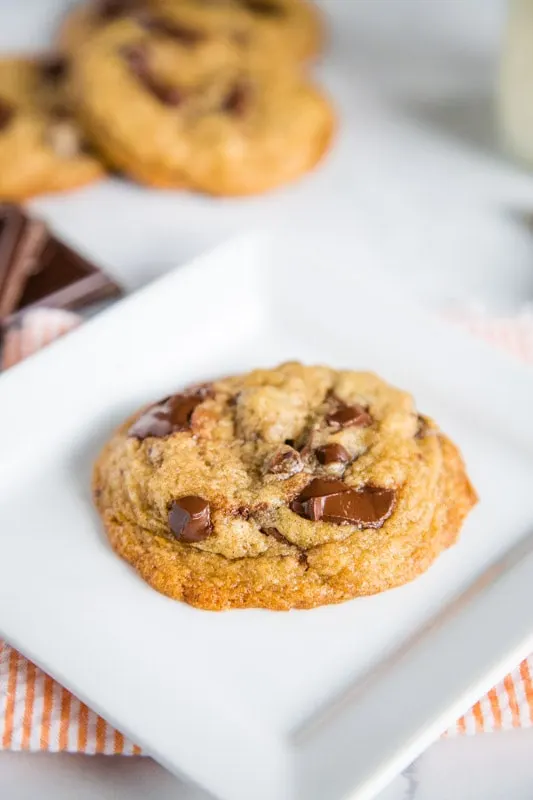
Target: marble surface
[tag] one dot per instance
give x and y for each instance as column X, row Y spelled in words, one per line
column 490, row 767
column 435, row 63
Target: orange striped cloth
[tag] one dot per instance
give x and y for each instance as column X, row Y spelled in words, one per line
column 36, row 713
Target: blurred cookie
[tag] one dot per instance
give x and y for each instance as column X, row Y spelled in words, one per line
column 262, row 131
column 89, row 18
column 42, row 148
column 173, row 109
column 293, row 26
column 290, row 30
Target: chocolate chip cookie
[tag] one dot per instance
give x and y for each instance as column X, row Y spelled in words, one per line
column 172, row 106
column 293, row 26
column 292, row 487
column 86, row 19
column 287, row 29
column 41, row 146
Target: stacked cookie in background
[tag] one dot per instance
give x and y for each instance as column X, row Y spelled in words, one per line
column 206, row 95
column 42, row 148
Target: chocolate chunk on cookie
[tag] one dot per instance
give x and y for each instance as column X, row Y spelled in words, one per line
column 169, row 416
column 189, row 519
column 283, row 462
column 268, row 8
column 138, row 60
column 7, row 112
column 111, row 9
column 178, row 32
column 332, row 454
column 334, row 501
column 347, row 415
column 54, row 68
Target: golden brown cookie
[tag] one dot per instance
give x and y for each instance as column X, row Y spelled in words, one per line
column 288, row 29
column 42, row 148
column 87, row 19
column 171, row 105
column 293, row 26
column 285, row 488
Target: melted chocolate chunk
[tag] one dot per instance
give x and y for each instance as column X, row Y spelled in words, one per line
column 422, row 427
column 284, row 462
column 190, row 519
column 7, row 112
column 60, row 111
column 136, row 57
column 279, row 537
column 346, row 416
column 172, row 30
column 334, row 501
column 309, row 502
column 164, row 92
column 332, row 454
column 266, row 8
column 54, row 68
column 237, row 100
column 202, row 390
column 112, row 9
column 170, row 415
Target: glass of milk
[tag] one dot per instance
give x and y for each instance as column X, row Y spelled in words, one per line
column 515, row 95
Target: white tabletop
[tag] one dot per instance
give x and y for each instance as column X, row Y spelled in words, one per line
column 461, row 237
column 489, row 767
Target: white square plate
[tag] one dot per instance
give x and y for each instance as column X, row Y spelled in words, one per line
column 328, row 703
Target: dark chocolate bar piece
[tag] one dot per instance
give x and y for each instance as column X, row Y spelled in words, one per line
column 64, row 279
column 36, row 269
column 20, row 242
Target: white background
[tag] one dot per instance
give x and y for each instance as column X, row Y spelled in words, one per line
column 452, row 213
